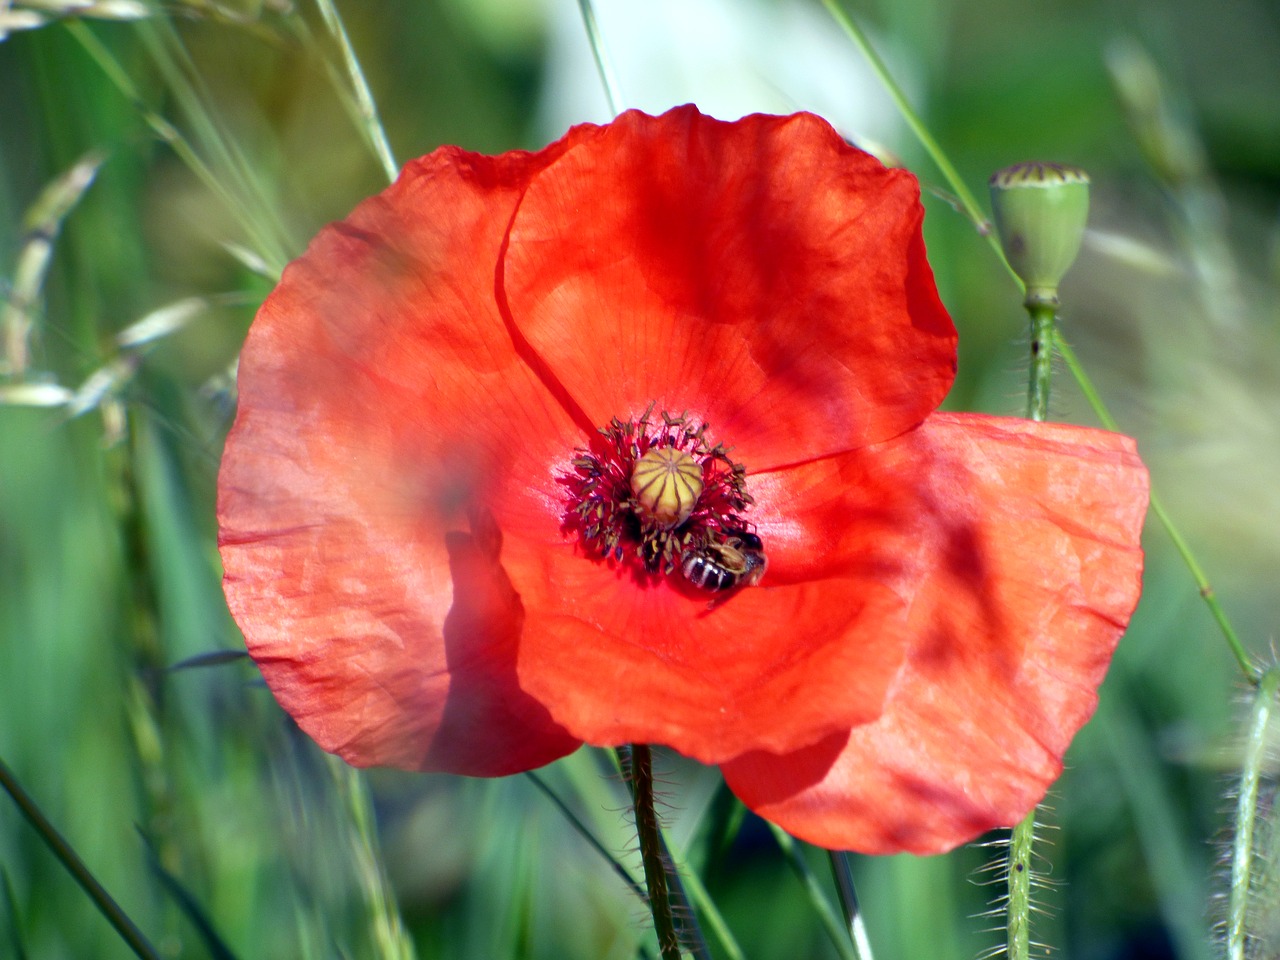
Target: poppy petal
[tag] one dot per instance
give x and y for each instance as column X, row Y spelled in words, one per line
column 1027, row 566
column 380, row 393
column 619, row 657
column 762, row 275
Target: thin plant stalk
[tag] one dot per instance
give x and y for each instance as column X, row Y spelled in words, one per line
column 182, row 77
column 967, row 201
column 604, row 64
column 180, row 72
column 1042, row 339
column 855, row 926
column 67, row 856
column 1094, row 399
column 367, row 109
column 1017, row 912
column 576, row 822
column 826, row 912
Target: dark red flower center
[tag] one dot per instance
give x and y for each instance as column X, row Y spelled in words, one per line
column 654, row 492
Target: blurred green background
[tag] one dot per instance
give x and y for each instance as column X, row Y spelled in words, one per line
column 223, row 133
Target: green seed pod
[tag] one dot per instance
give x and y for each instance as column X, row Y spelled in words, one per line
column 1040, row 212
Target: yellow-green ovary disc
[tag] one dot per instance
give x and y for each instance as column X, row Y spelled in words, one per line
column 666, row 483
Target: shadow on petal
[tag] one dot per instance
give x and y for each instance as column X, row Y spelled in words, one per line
column 490, row 726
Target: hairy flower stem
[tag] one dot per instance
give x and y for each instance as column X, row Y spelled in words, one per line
column 1042, row 342
column 1043, row 316
column 1018, row 909
column 105, row 903
column 1242, row 848
column 637, row 765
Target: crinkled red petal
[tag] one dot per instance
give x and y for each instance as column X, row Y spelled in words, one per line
column 1017, row 546
column 762, row 274
column 382, row 407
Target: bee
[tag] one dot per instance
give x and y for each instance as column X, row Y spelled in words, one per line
column 736, row 561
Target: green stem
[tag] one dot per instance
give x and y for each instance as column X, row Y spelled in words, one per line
column 967, row 201
column 689, row 930
column 585, row 833
column 1017, row 916
column 826, row 913
column 1246, row 813
column 842, row 872
column 638, row 765
column 1043, row 322
column 1018, row 911
column 106, row 905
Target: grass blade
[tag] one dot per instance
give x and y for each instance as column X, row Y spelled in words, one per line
column 826, row 912
column 367, row 111
column 586, row 834
column 105, row 903
column 11, row 908
column 190, row 907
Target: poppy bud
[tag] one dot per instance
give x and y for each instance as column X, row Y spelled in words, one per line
column 1040, row 212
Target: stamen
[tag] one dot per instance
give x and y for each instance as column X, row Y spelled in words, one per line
column 654, row 492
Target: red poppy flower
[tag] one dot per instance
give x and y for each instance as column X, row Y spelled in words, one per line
column 444, row 556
